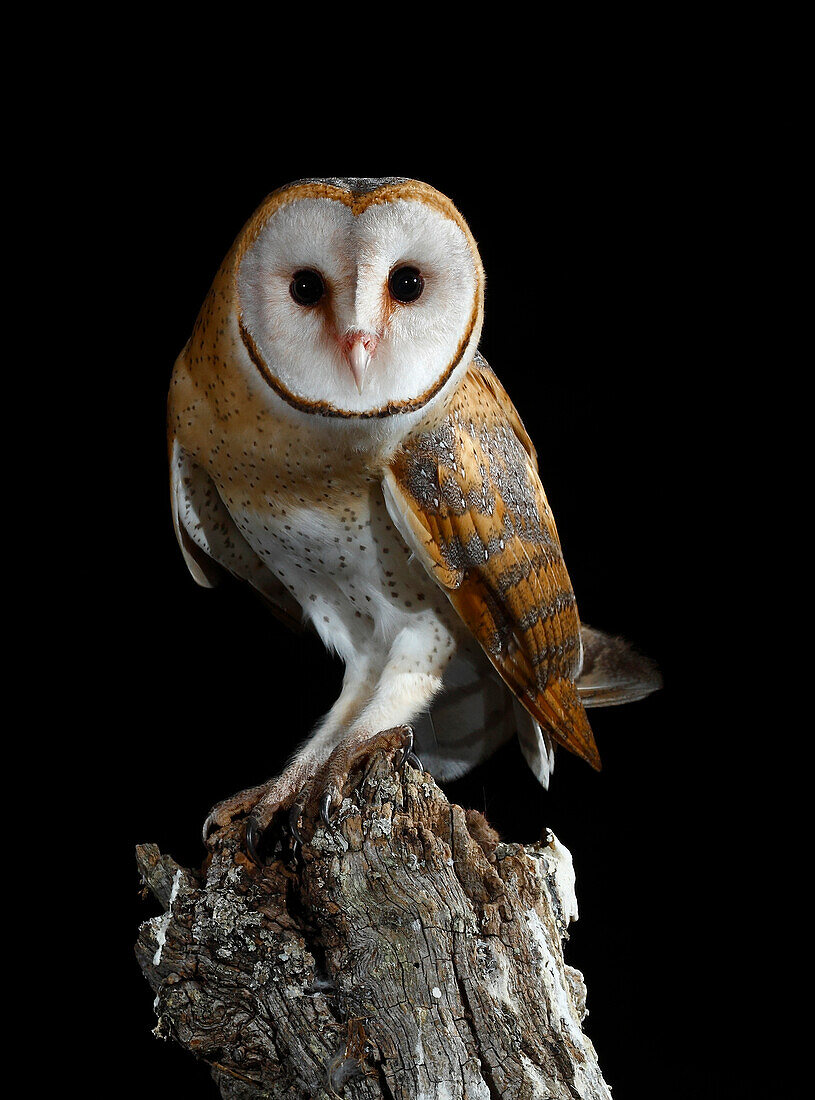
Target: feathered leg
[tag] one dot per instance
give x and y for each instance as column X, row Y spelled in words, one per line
column 355, row 726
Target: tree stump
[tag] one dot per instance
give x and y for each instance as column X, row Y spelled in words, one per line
column 408, row 955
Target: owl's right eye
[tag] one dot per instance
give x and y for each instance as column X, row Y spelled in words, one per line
column 307, row 287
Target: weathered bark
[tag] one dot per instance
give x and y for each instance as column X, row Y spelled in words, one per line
column 409, row 955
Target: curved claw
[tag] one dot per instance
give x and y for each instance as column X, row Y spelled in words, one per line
column 407, row 748
column 325, row 808
column 207, row 828
column 408, row 755
column 254, row 837
column 414, row 761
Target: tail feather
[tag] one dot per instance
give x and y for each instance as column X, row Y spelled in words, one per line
column 613, row 672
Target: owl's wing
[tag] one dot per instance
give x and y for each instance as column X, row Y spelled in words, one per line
column 211, row 542
column 467, row 499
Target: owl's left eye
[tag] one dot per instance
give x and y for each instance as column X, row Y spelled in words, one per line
column 307, row 287
column 405, row 283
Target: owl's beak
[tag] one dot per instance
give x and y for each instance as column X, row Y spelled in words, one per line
column 359, row 347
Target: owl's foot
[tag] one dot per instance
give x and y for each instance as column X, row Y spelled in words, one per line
column 324, row 786
column 329, row 782
column 260, row 806
column 239, row 805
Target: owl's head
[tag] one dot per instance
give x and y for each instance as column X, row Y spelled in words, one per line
column 357, row 297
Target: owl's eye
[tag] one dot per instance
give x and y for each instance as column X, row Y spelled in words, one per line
column 405, row 284
column 307, row 287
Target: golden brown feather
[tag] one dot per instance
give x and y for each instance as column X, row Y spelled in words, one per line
column 470, row 495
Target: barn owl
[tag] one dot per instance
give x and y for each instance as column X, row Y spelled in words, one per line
column 338, row 442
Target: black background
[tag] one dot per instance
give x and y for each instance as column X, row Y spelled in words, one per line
column 605, row 233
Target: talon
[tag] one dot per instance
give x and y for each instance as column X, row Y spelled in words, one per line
column 254, row 837
column 325, row 808
column 407, row 750
column 231, row 810
column 414, row 761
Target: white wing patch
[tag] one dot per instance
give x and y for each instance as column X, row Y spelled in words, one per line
column 209, row 538
column 186, row 482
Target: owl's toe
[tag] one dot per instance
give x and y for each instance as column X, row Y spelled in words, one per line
column 231, row 809
column 270, row 815
column 274, row 828
column 275, row 813
column 352, row 755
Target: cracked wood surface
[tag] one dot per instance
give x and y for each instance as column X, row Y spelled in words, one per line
column 409, row 956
